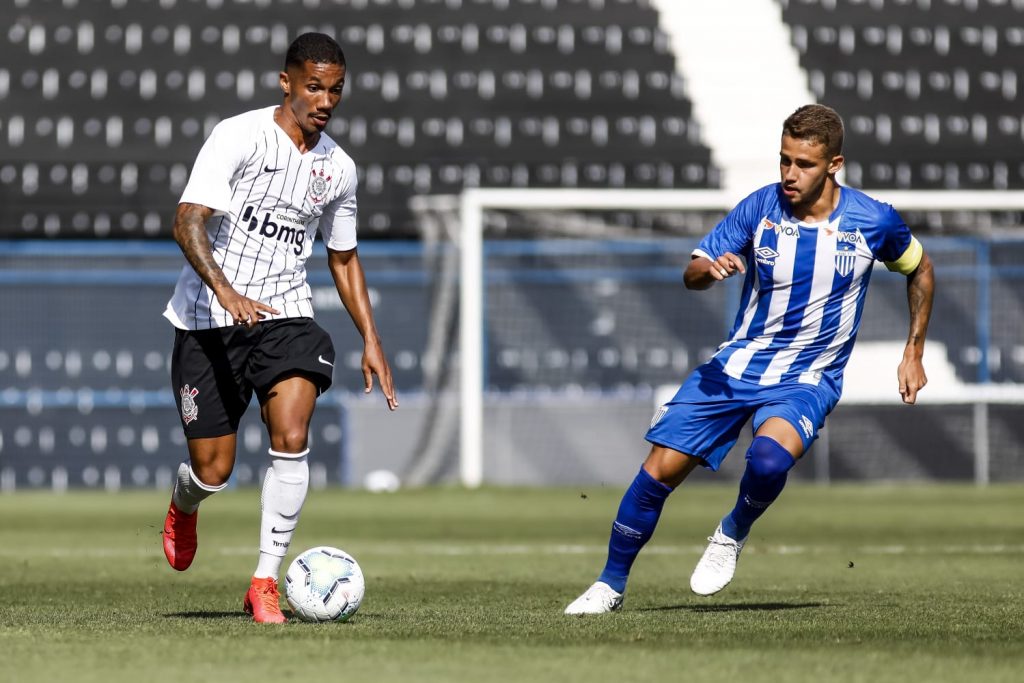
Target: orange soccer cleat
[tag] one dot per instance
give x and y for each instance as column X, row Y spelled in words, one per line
column 262, row 601
column 180, row 537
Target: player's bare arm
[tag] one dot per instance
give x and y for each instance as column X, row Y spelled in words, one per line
column 920, row 293
column 347, row 272
column 190, row 234
column 702, row 272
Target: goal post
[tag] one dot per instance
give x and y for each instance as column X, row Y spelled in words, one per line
column 474, row 203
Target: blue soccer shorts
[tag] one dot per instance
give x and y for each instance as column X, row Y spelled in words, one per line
column 706, row 415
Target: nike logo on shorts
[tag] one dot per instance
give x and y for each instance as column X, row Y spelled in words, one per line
column 325, row 361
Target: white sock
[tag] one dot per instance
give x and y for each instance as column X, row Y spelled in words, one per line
column 284, row 492
column 189, row 492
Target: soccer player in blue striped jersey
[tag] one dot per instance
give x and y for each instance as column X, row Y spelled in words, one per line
column 805, row 247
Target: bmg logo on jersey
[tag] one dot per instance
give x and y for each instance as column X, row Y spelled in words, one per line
column 280, row 230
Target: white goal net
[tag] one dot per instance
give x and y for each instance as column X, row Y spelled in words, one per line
column 569, row 315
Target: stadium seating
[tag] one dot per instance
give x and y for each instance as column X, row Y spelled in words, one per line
column 103, row 105
column 930, row 89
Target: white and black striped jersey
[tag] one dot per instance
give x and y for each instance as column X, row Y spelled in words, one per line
column 269, row 199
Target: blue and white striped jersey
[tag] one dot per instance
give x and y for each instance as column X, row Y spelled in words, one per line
column 803, row 293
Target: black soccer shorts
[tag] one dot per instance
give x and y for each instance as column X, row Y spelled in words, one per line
column 214, row 372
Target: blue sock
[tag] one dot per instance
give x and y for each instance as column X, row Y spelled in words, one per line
column 767, row 466
column 633, row 526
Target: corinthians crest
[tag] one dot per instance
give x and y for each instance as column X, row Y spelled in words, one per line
column 189, row 409
column 318, row 186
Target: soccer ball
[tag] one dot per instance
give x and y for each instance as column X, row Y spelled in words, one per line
column 324, row 584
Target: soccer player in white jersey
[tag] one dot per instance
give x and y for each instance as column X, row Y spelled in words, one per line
column 806, row 247
column 263, row 183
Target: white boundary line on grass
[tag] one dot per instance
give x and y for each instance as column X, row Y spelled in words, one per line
column 489, row 549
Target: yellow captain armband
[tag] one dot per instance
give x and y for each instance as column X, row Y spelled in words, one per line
column 911, row 258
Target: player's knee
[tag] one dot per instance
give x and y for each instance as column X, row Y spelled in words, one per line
column 668, row 466
column 213, row 474
column 767, row 458
column 289, row 440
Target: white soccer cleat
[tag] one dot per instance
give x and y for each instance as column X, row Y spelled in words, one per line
column 600, row 598
column 717, row 565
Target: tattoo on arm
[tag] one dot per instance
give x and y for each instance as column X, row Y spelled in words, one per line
column 190, row 234
column 920, row 293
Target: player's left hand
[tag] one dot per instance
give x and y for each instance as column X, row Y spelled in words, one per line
column 911, row 378
column 727, row 265
column 374, row 363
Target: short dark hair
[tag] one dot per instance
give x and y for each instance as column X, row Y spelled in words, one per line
column 318, row 48
column 817, row 123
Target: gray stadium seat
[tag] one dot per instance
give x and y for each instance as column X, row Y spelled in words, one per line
column 931, row 90
column 139, row 85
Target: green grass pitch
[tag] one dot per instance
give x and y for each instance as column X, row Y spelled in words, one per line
column 846, row 583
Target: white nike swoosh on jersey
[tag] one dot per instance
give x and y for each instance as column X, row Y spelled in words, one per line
column 325, row 362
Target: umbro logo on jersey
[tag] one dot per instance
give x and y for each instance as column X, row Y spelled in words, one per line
column 267, row 169
column 281, row 231
column 766, row 255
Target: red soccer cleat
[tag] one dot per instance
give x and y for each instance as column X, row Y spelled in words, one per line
column 180, row 537
column 262, row 601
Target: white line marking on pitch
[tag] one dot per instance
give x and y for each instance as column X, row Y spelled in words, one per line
column 469, row 549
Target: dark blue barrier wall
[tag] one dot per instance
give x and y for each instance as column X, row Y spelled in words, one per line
column 84, row 389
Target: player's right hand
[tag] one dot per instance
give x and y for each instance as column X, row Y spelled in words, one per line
column 243, row 310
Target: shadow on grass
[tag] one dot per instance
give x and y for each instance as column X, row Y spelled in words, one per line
column 738, row 607
column 219, row 615
column 207, row 615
